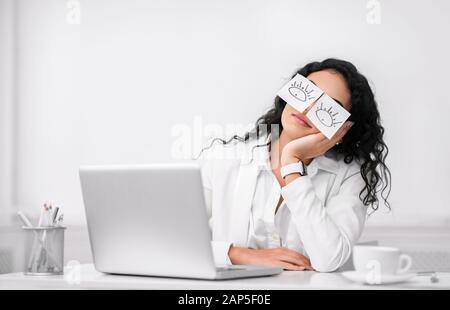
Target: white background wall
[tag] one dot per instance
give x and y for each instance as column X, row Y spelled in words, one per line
column 110, row 89
column 6, row 107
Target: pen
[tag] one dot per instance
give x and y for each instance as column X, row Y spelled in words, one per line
column 27, row 223
column 50, row 216
column 24, row 219
column 60, row 219
column 55, row 214
column 45, row 223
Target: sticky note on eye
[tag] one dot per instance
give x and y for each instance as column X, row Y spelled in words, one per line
column 327, row 115
column 300, row 93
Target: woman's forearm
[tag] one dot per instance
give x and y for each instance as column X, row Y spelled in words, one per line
column 328, row 233
column 277, row 257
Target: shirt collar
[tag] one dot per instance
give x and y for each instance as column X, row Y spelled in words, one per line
column 326, row 162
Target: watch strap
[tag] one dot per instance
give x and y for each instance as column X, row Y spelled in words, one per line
column 293, row 168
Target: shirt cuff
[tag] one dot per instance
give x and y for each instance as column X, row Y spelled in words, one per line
column 299, row 184
column 220, row 252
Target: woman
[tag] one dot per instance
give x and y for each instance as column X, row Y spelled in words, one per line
column 299, row 222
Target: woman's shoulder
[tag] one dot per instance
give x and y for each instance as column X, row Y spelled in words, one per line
column 235, row 148
column 221, row 159
column 218, row 149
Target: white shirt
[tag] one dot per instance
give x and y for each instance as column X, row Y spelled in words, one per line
column 321, row 215
column 265, row 226
column 269, row 228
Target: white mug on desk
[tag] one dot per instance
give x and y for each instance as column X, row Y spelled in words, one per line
column 385, row 260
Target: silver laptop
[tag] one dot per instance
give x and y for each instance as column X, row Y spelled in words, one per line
column 152, row 220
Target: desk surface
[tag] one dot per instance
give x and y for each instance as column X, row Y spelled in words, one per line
column 92, row 279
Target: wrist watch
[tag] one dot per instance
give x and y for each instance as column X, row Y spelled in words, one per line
column 293, row 168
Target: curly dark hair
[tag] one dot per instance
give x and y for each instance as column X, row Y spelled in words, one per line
column 363, row 142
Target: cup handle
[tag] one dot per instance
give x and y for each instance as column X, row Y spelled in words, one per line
column 405, row 263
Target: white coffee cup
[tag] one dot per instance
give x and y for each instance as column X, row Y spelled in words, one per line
column 384, row 260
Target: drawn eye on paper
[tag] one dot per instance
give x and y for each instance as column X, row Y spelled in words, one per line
column 327, row 117
column 300, row 92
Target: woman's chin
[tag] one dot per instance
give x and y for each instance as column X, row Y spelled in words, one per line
column 296, row 132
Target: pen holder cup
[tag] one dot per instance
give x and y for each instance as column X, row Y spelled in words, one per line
column 44, row 251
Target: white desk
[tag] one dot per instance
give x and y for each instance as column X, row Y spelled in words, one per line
column 91, row 279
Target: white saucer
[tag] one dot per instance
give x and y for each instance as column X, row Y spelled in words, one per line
column 384, row 279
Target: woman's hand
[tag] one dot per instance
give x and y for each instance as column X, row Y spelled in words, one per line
column 311, row 146
column 278, row 257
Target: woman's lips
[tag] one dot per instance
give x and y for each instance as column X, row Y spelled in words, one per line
column 302, row 120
